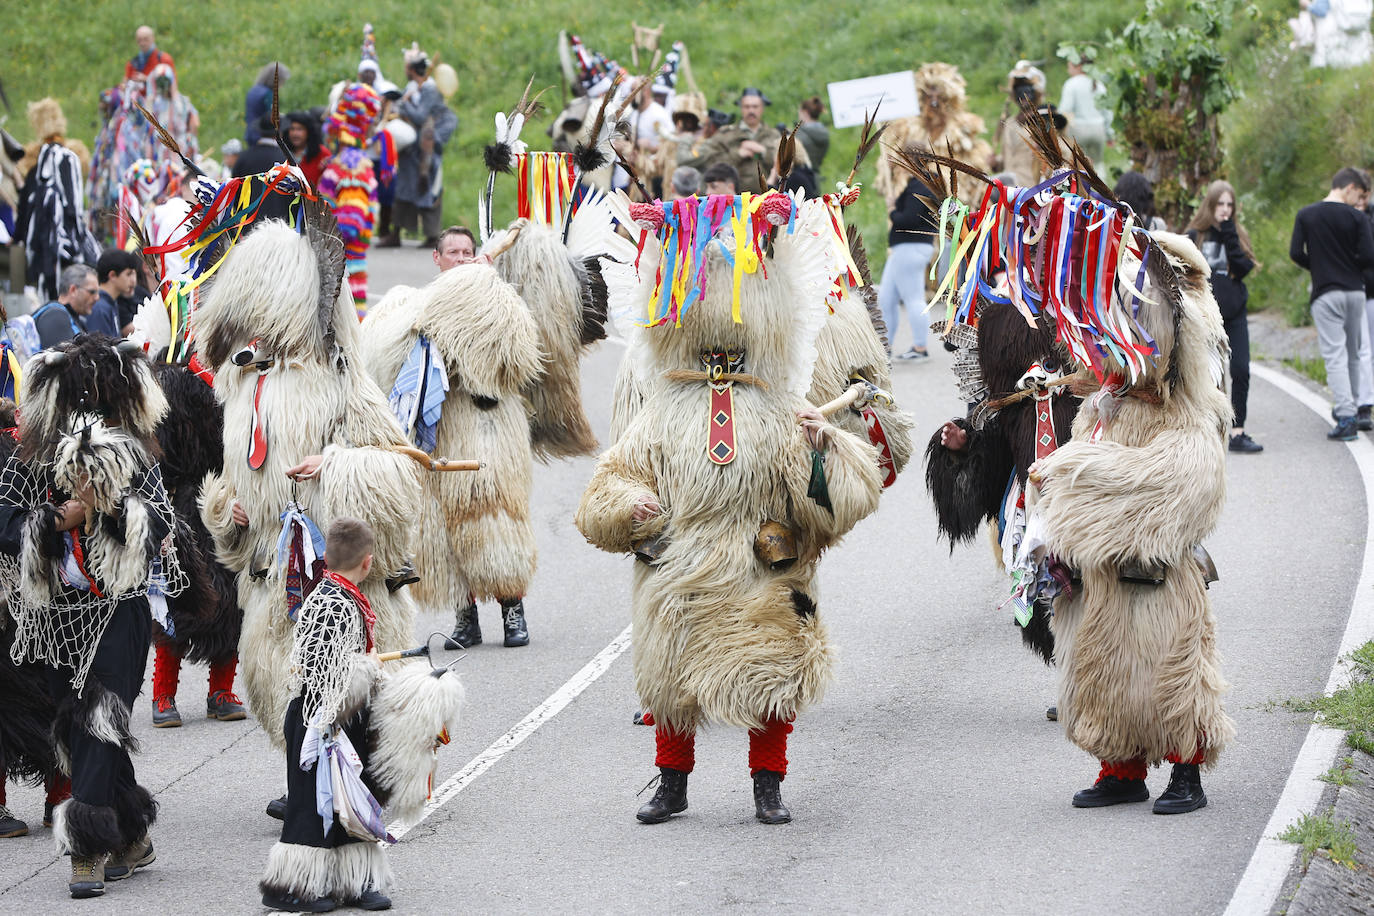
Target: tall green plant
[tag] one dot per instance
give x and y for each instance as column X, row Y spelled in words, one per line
column 1171, row 81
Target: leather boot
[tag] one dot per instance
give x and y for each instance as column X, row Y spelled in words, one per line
column 468, row 632
column 1109, row 790
column 768, row 806
column 513, row 618
column 670, row 799
column 1184, row 793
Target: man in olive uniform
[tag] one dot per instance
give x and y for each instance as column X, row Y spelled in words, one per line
column 749, row 145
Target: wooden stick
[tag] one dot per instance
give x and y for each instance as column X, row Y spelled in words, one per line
column 848, row 399
column 431, row 463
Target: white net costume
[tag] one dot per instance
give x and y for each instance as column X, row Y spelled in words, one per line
column 327, row 636
column 63, row 587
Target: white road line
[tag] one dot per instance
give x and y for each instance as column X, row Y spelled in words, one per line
column 522, row 730
column 1269, row 866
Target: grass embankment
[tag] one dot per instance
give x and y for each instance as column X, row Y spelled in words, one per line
column 1350, row 709
column 1285, row 139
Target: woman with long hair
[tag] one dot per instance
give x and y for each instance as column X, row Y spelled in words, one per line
column 1216, row 229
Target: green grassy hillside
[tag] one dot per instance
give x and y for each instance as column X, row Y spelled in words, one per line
column 792, row 48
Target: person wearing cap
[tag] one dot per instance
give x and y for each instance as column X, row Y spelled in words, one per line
column 257, row 104
column 751, row 145
column 419, row 167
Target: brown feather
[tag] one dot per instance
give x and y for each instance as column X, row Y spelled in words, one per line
column 167, row 139
column 787, row 153
column 867, row 292
column 1043, row 139
column 276, row 98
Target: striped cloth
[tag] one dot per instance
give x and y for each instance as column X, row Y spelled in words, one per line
column 417, row 397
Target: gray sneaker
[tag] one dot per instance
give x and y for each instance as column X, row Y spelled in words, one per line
column 224, row 706
column 914, row 353
column 165, row 713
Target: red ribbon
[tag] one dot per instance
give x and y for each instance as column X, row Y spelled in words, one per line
column 364, row 606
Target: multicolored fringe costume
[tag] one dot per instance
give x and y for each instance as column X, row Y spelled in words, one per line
column 349, row 181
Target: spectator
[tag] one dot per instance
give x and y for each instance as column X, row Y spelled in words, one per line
column 117, row 274
column 419, row 167
column 1334, row 241
column 1078, row 102
column 1138, row 193
column 910, row 246
column 61, row 320
column 1217, row 231
column 686, row 181
column 811, row 133
column 52, row 221
column 148, row 56
column 257, row 104
column 715, row 120
column 750, row 146
column 302, row 136
column 457, row 245
column 721, row 178
column 263, row 154
column 650, row 125
column 229, row 157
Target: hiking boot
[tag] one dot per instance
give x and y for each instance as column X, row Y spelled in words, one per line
column 669, row 799
column 1363, row 421
column 277, row 808
column 1184, row 793
column 11, row 826
column 373, row 899
column 88, row 877
column 224, row 706
column 1109, row 790
column 1241, row 442
column 1345, row 430
column 124, row 864
column 165, row 713
column 768, row 806
column 275, row 900
column 1052, row 714
column 468, row 632
column 513, row 619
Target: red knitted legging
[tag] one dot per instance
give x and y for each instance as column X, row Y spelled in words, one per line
column 767, row 748
column 59, row 787
column 1135, row 768
column 167, row 671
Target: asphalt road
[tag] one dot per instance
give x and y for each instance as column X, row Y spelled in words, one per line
column 927, row 781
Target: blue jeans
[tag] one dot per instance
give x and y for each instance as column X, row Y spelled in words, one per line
column 904, row 281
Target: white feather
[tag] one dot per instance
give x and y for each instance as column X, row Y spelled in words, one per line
column 591, row 233
column 152, row 326
column 501, row 127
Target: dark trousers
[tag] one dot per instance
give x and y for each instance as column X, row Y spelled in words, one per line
column 302, row 825
column 1238, row 333
column 101, row 771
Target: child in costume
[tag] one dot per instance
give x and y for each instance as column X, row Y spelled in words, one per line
column 345, row 714
column 86, row 546
column 726, row 484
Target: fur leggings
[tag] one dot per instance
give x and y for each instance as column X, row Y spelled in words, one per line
column 767, row 748
column 108, row 811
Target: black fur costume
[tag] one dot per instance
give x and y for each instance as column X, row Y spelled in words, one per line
column 206, row 617
column 968, row 486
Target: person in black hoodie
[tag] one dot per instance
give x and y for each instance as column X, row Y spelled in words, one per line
column 1216, row 230
column 910, row 246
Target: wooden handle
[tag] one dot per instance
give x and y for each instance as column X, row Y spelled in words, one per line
column 850, row 396
column 390, row 656
column 431, row 463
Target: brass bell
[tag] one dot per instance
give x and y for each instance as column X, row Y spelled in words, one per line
column 776, row 545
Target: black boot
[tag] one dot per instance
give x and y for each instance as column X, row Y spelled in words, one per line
column 768, row 806
column 1184, row 793
column 277, row 808
column 513, row 618
column 670, row 799
column 468, row 632
column 1109, row 790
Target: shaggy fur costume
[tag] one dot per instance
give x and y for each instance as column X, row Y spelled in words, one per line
column 316, row 399
column 206, row 617
column 970, row 485
column 945, row 124
column 1139, row 670
column 720, row 636
column 511, row 337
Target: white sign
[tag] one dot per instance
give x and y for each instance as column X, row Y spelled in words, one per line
column 852, row 100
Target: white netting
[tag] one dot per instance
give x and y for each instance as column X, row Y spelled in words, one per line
column 59, row 606
column 328, row 633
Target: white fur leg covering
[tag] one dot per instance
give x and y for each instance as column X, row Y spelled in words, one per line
column 410, row 710
column 307, row 872
column 107, row 718
column 359, row 866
